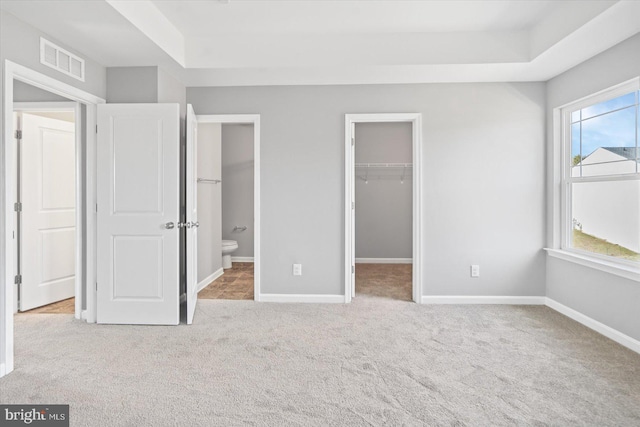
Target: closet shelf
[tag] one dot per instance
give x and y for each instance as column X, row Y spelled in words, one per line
column 383, row 165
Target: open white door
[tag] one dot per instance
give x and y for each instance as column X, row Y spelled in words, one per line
column 48, row 218
column 138, row 188
column 192, row 223
column 353, row 210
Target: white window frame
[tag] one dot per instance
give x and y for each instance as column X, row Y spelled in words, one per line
column 562, row 226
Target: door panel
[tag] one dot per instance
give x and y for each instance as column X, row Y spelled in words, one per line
column 137, row 264
column 135, row 191
column 47, row 227
column 138, row 214
column 192, row 214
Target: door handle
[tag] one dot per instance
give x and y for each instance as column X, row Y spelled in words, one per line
column 169, row 225
column 188, row 224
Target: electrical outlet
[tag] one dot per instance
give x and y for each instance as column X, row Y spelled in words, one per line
column 475, row 270
column 297, row 269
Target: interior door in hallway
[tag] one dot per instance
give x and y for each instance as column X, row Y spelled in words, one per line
column 192, row 223
column 138, row 160
column 47, row 196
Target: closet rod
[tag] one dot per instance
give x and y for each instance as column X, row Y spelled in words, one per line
column 209, row 181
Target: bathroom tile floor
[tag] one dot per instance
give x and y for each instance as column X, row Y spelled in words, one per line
column 235, row 283
column 392, row 281
column 67, row 306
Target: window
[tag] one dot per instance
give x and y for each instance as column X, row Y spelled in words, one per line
column 601, row 175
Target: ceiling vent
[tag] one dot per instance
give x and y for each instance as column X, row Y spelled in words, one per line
column 60, row 59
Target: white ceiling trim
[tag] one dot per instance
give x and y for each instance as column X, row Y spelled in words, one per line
column 151, row 22
column 502, row 44
column 562, row 21
column 612, row 26
column 602, row 30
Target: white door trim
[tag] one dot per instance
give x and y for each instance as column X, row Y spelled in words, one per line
column 255, row 120
column 13, row 71
column 76, row 108
column 349, row 191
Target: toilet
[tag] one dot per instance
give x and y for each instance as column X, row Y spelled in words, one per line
column 228, row 247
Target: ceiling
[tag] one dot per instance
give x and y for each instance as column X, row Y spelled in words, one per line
column 263, row 42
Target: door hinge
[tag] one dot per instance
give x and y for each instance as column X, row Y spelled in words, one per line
column 96, row 286
column 18, row 134
column 17, row 207
column 96, row 128
column 353, row 269
column 18, row 279
column 96, row 207
column 353, row 205
column 353, row 140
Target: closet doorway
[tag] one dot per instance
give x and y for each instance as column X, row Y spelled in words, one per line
column 383, row 210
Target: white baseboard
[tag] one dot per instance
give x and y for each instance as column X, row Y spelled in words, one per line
column 455, row 299
column 3, row 370
column 384, row 261
column 83, row 315
column 241, row 259
column 607, row 331
column 203, row 284
column 301, row 298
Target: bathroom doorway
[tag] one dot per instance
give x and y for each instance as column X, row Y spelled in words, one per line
column 383, row 206
column 228, row 204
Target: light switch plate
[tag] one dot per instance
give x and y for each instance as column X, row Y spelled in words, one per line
column 297, row 269
column 475, row 270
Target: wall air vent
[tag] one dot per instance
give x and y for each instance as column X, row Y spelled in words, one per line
column 60, row 59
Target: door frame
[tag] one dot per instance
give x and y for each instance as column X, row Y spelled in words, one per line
column 349, row 190
column 44, row 106
column 13, row 71
column 253, row 119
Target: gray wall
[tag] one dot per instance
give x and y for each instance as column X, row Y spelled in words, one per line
column 384, row 204
column 171, row 90
column 604, row 297
column 23, row 92
column 483, row 186
column 144, row 85
column 209, row 200
column 132, row 84
column 27, row 53
column 237, row 186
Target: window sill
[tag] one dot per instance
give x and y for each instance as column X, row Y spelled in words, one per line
column 608, row 267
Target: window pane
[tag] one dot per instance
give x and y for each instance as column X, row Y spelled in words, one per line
column 610, row 105
column 608, row 143
column 575, row 116
column 576, row 156
column 606, row 218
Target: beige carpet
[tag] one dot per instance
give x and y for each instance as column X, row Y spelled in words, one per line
column 374, row 362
